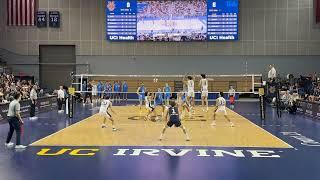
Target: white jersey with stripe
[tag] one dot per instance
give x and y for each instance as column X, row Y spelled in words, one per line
column 204, row 84
column 147, row 101
column 232, row 92
column 221, row 102
column 190, row 85
column 105, row 105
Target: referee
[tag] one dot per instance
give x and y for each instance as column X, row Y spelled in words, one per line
column 15, row 122
column 33, row 98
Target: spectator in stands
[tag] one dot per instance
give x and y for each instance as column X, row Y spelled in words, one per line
column 272, row 74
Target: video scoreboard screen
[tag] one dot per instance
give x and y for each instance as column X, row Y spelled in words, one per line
column 172, row 20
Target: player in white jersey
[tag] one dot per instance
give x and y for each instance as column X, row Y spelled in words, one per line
column 190, row 92
column 94, row 91
column 221, row 108
column 203, row 83
column 149, row 106
column 105, row 106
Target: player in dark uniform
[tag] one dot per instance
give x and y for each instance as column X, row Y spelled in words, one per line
column 172, row 114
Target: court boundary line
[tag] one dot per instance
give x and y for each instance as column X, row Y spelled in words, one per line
column 163, row 146
column 88, row 118
column 32, row 144
column 263, row 129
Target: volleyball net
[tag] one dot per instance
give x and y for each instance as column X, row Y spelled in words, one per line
column 126, row 86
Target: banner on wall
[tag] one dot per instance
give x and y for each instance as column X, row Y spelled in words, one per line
column 44, row 104
column 310, row 109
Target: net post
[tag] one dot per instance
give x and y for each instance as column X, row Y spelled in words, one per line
column 252, row 83
column 81, row 81
column 262, row 103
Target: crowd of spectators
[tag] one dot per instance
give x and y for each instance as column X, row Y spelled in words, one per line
column 167, row 38
column 303, row 87
column 9, row 85
column 168, row 9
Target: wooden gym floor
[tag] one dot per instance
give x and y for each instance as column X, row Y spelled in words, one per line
column 134, row 131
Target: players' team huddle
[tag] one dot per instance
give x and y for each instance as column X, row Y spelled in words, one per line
column 173, row 107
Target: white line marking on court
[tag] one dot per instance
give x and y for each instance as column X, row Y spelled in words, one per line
column 263, row 129
column 32, row 144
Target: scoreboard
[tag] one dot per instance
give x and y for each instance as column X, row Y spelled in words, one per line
column 222, row 23
column 221, row 20
column 121, row 20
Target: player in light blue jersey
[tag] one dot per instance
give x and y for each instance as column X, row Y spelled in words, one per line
column 182, row 104
column 116, row 90
column 167, row 93
column 124, row 91
column 105, row 90
column 141, row 94
column 159, row 101
column 109, row 90
column 100, row 89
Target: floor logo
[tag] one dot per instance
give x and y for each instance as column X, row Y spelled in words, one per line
column 157, row 152
column 304, row 140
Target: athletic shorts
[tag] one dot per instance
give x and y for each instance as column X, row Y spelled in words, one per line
column 141, row 97
column 175, row 123
column 204, row 94
column 167, row 96
column 191, row 94
column 150, row 108
column 105, row 114
column 221, row 110
column 94, row 93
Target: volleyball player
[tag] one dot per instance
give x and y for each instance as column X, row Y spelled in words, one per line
column 167, row 93
column 94, row 91
column 141, row 94
column 105, row 106
column 149, row 107
column 232, row 95
column 220, row 108
column 190, row 93
column 172, row 115
column 100, row 90
column 124, row 91
column 105, row 89
column 116, row 89
column 182, row 104
column 159, row 101
column 109, row 90
column 203, row 83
